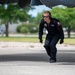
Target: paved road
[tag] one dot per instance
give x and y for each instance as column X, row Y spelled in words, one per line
column 31, row 59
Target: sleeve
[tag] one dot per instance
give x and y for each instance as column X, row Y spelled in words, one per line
column 60, row 30
column 41, row 26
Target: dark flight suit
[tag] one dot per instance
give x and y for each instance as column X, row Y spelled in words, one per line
column 55, row 32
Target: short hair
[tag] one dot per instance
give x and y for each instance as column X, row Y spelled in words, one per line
column 48, row 13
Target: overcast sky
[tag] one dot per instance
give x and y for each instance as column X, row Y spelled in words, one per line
column 38, row 9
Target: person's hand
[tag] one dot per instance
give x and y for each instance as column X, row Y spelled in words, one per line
column 41, row 41
column 61, row 41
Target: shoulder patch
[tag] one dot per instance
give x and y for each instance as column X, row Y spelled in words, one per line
column 58, row 23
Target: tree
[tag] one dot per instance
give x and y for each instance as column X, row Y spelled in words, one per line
column 38, row 18
column 66, row 16
column 13, row 13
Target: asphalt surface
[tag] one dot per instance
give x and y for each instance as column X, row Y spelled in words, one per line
column 21, row 58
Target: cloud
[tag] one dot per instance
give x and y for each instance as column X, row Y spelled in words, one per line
column 38, row 9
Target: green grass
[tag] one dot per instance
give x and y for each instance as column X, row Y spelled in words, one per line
column 18, row 39
column 25, row 39
column 69, row 41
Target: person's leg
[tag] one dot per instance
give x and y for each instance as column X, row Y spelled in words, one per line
column 53, row 47
column 47, row 47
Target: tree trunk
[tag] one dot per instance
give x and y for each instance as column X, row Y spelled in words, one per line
column 68, row 31
column 7, row 27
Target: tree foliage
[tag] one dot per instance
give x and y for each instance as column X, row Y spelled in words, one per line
column 66, row 16
column 13, row 13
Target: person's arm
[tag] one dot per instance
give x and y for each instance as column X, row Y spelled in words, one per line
column 60, row 31
column 41, row 30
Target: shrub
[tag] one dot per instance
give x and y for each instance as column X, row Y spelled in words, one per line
column 24, row 30
column 18, row 29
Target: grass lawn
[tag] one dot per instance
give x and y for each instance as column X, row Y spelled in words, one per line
column 25, row 39
column 69, row 41
column 18, row 39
